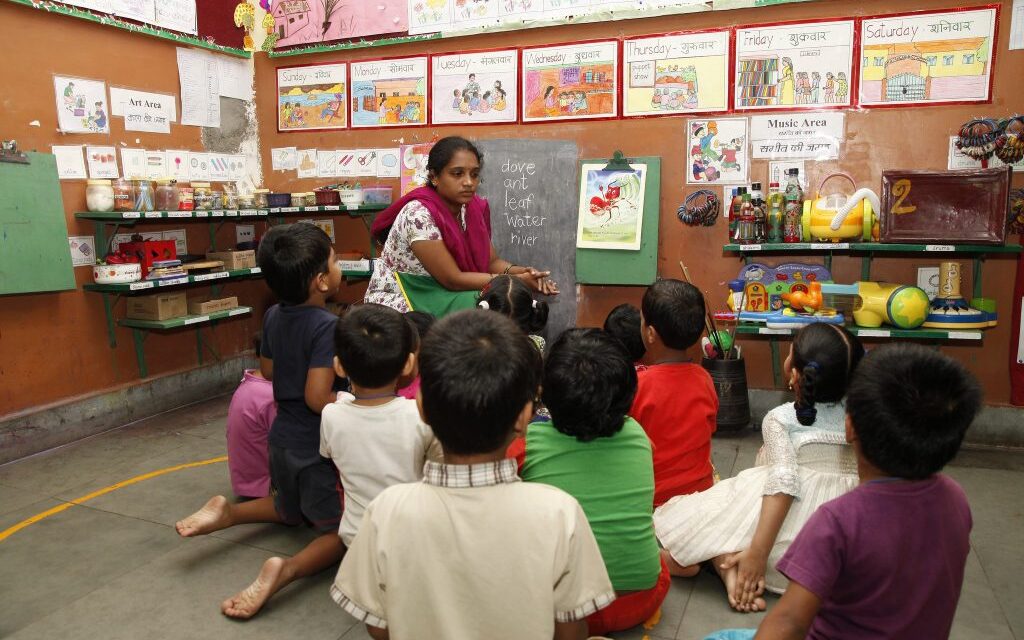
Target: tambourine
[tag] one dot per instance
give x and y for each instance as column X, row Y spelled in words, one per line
column 696, row 213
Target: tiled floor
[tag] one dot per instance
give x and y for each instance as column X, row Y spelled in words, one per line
column 114, row 568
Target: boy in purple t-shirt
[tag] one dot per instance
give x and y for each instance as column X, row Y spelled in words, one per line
column 887, row 559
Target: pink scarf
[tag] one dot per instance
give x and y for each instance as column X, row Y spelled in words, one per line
column 471, row 248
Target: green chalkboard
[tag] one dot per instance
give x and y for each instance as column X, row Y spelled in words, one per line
column 34, row 254
column 638, row 267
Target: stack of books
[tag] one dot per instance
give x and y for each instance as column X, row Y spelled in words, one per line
column 165, row 270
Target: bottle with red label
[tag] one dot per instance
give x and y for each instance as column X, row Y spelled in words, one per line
column 794, row 211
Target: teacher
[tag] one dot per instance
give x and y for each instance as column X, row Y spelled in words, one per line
column 437, row 251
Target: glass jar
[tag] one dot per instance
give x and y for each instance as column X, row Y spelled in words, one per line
column 299, row 199
column 124, row 198
column 99, row 195
column 230, row 196
column 202, row 196
column 186, row 198
column 143, row 195
column 246, row 201
column 166, row 198
column 216, row 199
column 260, row 198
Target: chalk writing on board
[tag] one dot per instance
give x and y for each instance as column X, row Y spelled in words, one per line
column 525, row 226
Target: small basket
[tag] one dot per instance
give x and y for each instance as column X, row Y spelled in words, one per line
column 117, row 273
column 327, row 197
column 276, row 200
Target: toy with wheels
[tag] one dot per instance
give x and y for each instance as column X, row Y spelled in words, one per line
column 902, row 306
column 837, row 217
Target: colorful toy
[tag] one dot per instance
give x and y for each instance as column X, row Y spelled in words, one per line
column 837, row 217
column 949, row 310
column 764, row 285
column 902, row 306
column 808, row 301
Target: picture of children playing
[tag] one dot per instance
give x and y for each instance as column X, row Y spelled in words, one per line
column 313, row 106
column 718, row 151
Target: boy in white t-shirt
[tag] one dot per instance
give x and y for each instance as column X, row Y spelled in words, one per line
column 471, row 552
column 375, row 438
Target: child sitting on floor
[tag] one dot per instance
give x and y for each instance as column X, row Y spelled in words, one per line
column 746, row 523
column 509, row 296
column 250, row 414
column 471, row 552
column 375, row 438
column 597, row 454
column 409, row 385
column 887, row 559
column 675, row 400
column 623, row 324
column 297, row 354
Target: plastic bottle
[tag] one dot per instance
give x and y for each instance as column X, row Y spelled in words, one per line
column 736, row 295
column 794, row 208
column 760, row 215
column 734, row 212
column 745, row 229
column 776, row 207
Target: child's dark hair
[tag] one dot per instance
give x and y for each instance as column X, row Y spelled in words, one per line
column 422, row 320
column 509, row 296
column 623, row 324
column 826, row 356
column 290, row 256
column 444, row 149
column 910, row 407
column 373, row 343
column 589, row 384
column 676, row 311
column 477, row 373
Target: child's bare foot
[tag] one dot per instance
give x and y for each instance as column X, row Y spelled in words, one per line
column 729, row 577
column 676, row 569
column 212, row 517
column 247, row 603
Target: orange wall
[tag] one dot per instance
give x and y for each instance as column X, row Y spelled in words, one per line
column 53, row 346
column 876, row 140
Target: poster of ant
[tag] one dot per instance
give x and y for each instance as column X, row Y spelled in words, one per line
column 611, row 207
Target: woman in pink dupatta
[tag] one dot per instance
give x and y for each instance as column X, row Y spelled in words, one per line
column 441, row 234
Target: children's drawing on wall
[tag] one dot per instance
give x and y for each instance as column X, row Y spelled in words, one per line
column 474, row 87
column 611, row 207
column 685, row 73
column 570, row 82
column 717, row 151
column 313, row 21
column 427, row 16
column 927, row 58
column 414, row 165
column 311, row 97
column 81, row 105
column 389, row 93
column 792, row 66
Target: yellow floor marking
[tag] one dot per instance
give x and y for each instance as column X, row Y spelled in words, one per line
column 95, row 494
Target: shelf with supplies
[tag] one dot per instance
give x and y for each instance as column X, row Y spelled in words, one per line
column 148, row 286
column 142, row 328
column 867, row 251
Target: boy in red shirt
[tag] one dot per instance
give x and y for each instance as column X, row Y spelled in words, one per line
column 675, row 400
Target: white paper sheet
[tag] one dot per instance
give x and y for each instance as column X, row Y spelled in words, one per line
column 325, row 163
column 345, row 164
column 147, row 119
column 133, row 163
column 305, row 163
column 119, row 97
column 101, row 6
column 141, row 10
column 365, row 163
column 102, row 162
column 237, row 170
column 200, row 88
column 1017, row 28
column 176, row 15
column 220, row 167
column 180, row 240
column 156, row 165
column 70, row 162
column 244, row 233
column 283, row 158
column 235, row 77
column 83, row 250
column 177, row 165
column 199, row 166
column 388, row 163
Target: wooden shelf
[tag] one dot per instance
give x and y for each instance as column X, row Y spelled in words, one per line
column 146, row 286
column 131, row 217
column 869, row 247
column 183, row 321
column 921, row 333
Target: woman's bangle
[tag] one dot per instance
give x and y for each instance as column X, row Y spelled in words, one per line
column 507, row 269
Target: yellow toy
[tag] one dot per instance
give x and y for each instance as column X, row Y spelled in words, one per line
column 838, row 217
column 900, row 305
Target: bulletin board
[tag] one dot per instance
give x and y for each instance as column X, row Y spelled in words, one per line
column 34, row 254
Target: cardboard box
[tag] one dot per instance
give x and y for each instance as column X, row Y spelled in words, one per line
column 234, row 259
column 205, row 306
column 160, row 306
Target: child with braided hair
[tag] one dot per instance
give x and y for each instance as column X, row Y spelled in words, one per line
column 744, row 524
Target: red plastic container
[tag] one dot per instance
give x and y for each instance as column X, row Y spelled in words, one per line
column 149, row 251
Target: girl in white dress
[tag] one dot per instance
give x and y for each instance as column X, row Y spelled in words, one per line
column 744, row 524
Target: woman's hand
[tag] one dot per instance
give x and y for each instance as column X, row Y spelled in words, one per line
column 751, row 565
column 539, row 281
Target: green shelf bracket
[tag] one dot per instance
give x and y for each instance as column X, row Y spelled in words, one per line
column 979, row 261
column 827, row 260
column 773, row 346
column 109, row 301
column 139, row 337
column 865, row 267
